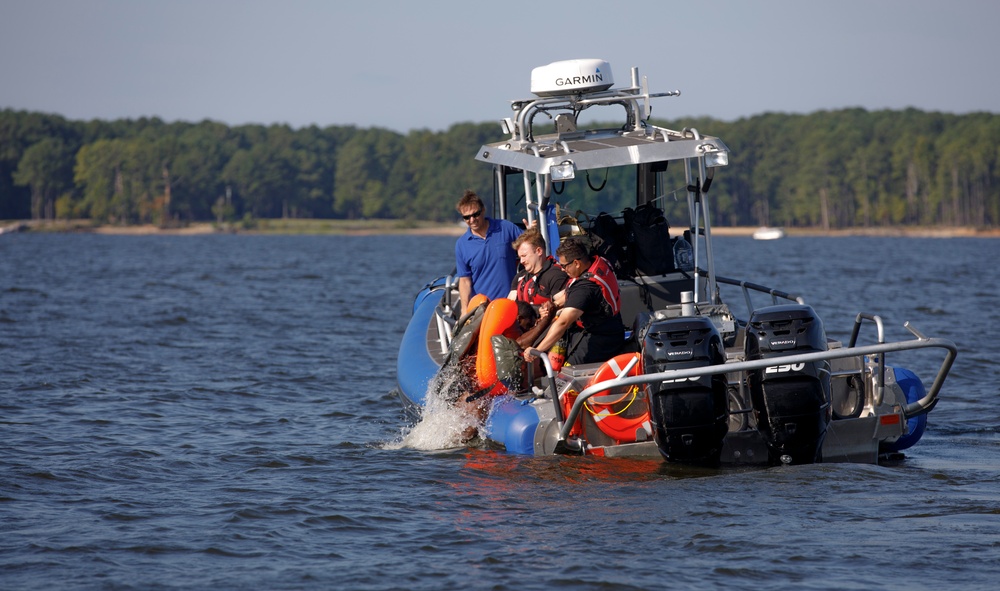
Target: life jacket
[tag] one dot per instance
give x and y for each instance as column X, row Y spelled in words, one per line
column 527, row 286
column 601, row 273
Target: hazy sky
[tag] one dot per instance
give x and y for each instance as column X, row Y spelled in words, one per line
column 428, row 64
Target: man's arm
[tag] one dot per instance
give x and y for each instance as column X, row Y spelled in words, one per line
column 562, row 322
column 544, row 318
column 465, row 293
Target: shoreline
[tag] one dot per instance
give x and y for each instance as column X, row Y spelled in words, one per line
column 891, row 232
column 407, row 228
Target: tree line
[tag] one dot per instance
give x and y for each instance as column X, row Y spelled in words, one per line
column 831, row 169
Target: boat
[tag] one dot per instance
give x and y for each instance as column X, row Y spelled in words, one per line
column 752, row 379
column 768, row 233
column 12, row 228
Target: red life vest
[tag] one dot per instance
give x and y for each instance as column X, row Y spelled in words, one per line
column 527, row 287
column 601, row 273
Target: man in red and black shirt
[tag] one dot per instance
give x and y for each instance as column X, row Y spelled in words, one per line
column 540, row 279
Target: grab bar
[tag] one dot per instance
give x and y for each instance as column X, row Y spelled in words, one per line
column 910, row 410
column 746, row 286
column 880, row 383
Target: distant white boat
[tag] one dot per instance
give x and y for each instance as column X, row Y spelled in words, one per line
column 766, row 233
column 12, row 228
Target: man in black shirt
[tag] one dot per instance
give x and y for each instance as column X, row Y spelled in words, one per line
column 590, row 314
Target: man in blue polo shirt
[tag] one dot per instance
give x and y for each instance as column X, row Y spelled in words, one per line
column 484, row 258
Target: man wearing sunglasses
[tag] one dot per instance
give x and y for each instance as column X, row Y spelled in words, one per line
column 591, row 303
column 485, row 261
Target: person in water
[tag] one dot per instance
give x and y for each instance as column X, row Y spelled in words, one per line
column 590, row 312
column 485, row 263
column 539, row 280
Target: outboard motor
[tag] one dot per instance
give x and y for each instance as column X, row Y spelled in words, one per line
column 690, row 415
column 791, row 402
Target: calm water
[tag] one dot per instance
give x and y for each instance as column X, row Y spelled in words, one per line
column 215, row 413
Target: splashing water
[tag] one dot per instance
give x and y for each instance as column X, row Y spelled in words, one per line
column 443, row 423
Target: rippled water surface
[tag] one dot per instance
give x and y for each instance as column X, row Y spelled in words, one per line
column 214, row 412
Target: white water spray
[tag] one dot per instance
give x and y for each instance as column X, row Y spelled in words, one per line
column 442, row 424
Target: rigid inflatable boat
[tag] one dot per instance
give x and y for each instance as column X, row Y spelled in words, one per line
column 700, row 380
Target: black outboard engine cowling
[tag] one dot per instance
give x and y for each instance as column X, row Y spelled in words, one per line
column 690, row 415
column 790, row 401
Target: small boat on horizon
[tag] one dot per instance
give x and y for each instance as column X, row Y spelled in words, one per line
column 768, row 233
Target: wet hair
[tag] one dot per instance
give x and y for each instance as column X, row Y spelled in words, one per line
column 532, row 237
column 469, row 198
column 527, row 311
column 573, row 248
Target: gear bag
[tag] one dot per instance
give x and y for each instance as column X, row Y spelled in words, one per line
column 609, row 242
column 648, row 238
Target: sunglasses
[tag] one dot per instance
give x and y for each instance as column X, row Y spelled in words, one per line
column 474, row 214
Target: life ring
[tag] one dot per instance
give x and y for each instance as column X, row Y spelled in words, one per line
column 500, row 318
column 607, row 409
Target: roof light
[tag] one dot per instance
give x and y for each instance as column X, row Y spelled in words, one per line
column 564, row 171
column 507, row 125
column 714, row 156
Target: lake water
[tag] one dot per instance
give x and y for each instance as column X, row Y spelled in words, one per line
column 215, row 412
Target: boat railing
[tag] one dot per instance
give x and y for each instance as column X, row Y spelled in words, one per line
column 913, row 409
column 880, row 378
column 444, row 315
column 748, row 287
column 635, row 99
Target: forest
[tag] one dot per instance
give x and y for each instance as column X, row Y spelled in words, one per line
column 828, row 169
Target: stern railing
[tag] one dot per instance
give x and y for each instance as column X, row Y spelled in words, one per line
column 916, row 408
column 748, row 287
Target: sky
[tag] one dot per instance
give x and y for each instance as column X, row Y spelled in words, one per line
column 428, row 64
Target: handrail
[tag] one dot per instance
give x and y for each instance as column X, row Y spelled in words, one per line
column 857, row 327
column 442, row 313
column 910, row 410
column 551, row 375
column 925, row 404
column 444, row 333
column 525, row 108
column 747, row 286
column 880, row 382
